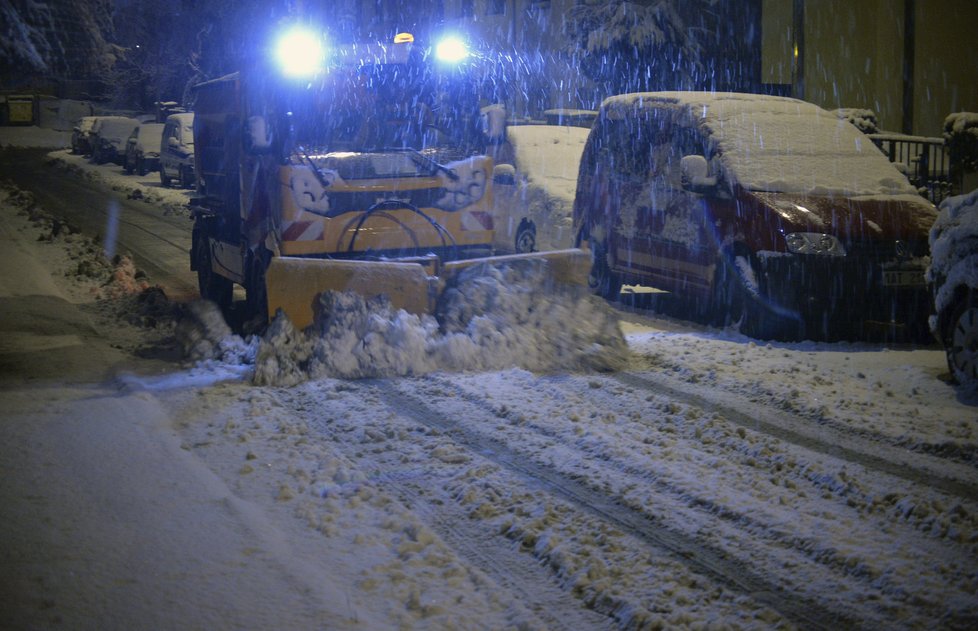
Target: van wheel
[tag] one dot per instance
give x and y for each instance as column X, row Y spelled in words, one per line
column 737, row 296
column 602, row 280
column 740, row 301
column 186, row 181
column 526, row 237
column 164, row 178
column 962, row 340
column 212, row 286
column 141, row 167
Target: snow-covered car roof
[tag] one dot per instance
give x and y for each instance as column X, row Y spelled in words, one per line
column 148, row 136
column 772, row 143
column 116, row 128
column 85, row 123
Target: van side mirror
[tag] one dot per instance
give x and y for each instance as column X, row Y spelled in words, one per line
column 258, row 136
column 696, row 175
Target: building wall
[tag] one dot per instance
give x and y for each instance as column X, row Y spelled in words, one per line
column 946, row 62
column 854, row 57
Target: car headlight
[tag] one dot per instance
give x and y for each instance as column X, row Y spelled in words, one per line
column 814, row 243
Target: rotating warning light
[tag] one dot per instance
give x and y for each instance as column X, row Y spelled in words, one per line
column 300, row 53
column 451, row 50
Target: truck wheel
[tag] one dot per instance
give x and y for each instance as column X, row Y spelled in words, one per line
column 164, row 178
column 602, row 280
column 141, row 167
column 186, row 180
column 256, row 293
column 526, row 237
column 212, row 286
column 962, row 340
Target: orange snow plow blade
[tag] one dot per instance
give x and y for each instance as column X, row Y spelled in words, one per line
column 293, row 283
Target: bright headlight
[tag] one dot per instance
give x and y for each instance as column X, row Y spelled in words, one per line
column 814, row 243
column 300, row 53
column 451, row 50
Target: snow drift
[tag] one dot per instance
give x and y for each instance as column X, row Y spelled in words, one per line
column 491, row 318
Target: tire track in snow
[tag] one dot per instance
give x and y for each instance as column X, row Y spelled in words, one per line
column 506, row 565
column 702, row 558
column 914, row 467
column 823, row 554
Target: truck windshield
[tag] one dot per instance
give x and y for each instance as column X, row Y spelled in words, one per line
column 381, row 107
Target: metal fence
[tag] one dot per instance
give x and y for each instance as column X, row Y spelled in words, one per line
column 924, row 160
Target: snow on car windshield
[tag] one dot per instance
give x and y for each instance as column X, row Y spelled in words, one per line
column 783, row 145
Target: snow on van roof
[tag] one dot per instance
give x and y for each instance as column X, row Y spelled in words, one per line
column 773, row 143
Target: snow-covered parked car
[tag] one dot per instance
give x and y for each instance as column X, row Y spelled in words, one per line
column 143, row 149
column 177, row 150
column 953, row 276
column 81, row 135
column 109, row 137
column 768, row 213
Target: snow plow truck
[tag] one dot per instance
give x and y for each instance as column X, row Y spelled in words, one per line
column 368, row 171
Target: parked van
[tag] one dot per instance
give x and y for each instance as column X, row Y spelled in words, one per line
column 177, row 150
column 765, row 212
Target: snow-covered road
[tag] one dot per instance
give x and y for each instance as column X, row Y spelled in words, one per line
column 713, row 481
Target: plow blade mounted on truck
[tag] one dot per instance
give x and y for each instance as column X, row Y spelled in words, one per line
column 293, row 283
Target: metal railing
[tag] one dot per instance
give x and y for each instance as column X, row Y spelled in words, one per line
column 924, row 160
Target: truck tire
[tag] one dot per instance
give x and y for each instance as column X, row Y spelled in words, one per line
column 256, row 293
column 526, row 237
column 164, row 178
column 186, row 180
column 141, row 167
column 212, row 286
column 602, row 280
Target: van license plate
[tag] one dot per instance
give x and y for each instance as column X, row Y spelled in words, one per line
column 903, row 278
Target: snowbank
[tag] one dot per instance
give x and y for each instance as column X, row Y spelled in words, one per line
column 954, row 249
column 493, row 317
column 23, row 137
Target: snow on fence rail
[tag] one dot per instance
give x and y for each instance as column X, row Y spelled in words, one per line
column 925, row 159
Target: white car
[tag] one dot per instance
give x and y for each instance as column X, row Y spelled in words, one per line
column 953, row 277
column 177, row 150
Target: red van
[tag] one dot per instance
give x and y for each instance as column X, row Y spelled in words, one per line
column 768, row 213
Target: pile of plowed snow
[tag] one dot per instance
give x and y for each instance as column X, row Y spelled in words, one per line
column 492, row 317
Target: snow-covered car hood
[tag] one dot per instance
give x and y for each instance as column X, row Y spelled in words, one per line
column 853, row 219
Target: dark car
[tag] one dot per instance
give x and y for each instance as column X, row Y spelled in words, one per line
column 109, row 137
column 764, row 212
column 143, row 149
column 953, row 275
